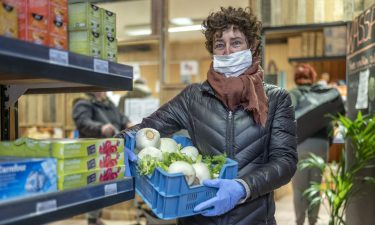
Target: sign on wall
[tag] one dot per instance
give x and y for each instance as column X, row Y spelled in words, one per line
column 361, row 63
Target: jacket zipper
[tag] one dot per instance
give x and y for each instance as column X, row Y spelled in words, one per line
column 229, row 135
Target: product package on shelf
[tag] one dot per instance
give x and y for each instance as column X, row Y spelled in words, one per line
column 58, row 24
column 86, row 42
column 84, row 16
column 108, row 23
column 22, row 177
column 109, row 49
column 83, row 164
column 75, row 148
column 8, row 19
column 32, row 20
column 61, row 148
column 81, row 179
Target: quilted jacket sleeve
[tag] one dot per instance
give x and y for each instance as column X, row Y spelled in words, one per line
column 282, row 157
column 169, row 118
column 82, row 116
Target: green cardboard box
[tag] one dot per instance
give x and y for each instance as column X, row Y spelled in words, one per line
column 6, row 148
column 84, row 16
column 81, row 179
column 83, row 164
column 86, row 42
column 108, row 23
column 76, row 148
column 109, row 49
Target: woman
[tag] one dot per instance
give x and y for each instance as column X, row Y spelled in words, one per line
column 305, row 77
column 234, row 112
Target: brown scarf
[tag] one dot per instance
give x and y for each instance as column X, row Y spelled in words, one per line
column 245, row 90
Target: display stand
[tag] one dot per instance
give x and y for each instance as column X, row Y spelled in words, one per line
column 27, row 68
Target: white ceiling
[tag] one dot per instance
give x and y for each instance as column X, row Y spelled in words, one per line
column 138, row 13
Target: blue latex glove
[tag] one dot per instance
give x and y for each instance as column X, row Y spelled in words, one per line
column 131, row 155
column 184, row 141
column 229, row 194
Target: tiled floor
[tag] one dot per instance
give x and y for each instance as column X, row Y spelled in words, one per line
column 284, row 215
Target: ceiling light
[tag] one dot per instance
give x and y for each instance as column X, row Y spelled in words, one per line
column 147, row 31
column 182, row 21
column 139, row 32
column 185, row 28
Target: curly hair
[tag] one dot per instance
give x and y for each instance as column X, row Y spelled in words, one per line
column 242, row 19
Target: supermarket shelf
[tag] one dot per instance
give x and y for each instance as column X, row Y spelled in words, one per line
column 34, row 69
column 321, row 58
column 303, row 27
column 55, row 206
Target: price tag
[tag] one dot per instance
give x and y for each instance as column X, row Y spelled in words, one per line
column 110, row 189
column 46, row 206
column 100, row 66
column 58, row 57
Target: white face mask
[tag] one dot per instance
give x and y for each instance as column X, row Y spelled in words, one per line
column 234, row 64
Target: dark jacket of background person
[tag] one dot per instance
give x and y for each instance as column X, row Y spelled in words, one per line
column 216, row 130
column 317, row 144
column 91, row 114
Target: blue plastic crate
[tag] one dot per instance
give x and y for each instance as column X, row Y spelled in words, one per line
column 168, row 195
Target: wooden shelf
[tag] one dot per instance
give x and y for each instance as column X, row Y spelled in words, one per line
column 320, row 58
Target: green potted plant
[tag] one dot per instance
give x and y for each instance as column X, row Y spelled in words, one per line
column 340, row 176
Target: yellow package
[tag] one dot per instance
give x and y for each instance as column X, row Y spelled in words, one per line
column 83, row 164
column 8, row 20
column 76, row 148
column 82, row 179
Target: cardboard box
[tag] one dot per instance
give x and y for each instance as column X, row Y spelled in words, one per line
column 305, row 44
column 58, row 41
column 334, row 41
column 58, row 20
column 84, row 164
column 84, row 16
column 108, row 23
column 75, row 148
column 21, row 6
column 8, row 19
column 81, row 179
column 319, row 47
column 294, row 47
column 86, row 42
column 311, row 44
column 21, row 177
column 58, row 25
column 109, row 50
column 37, row 36
column 37, row 11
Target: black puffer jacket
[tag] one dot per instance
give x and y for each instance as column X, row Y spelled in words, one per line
column 90, row 115
column 266, row 156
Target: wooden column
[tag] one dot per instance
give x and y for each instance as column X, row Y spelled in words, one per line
column 159, row 26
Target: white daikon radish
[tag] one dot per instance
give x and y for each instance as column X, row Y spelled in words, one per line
column 168, row 145
column 184, row 168
column 201, row 172
column 190, row 151
column 152, row 152
column 147, row 137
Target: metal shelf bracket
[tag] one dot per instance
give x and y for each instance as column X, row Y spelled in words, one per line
column 12, row 94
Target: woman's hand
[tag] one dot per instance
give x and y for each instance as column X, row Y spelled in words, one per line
column 229, row 194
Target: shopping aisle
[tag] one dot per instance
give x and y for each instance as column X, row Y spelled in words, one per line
column 285, row 212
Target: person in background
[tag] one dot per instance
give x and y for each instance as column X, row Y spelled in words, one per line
column 305, row 77
column 97, row 117
column 236, row 113
column 324, row 79
column 140, row 90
